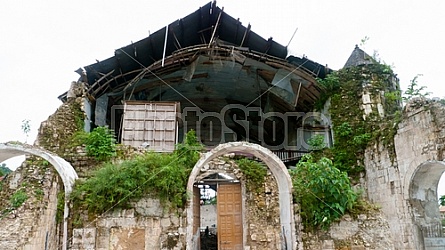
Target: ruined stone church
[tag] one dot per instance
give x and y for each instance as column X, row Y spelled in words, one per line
column 243, row 95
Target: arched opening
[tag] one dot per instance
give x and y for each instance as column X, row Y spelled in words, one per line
column 276, row 167
column 63, row 168
column 423, row 198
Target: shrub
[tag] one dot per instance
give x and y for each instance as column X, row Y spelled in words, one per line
column 164, row 175
column 99, row 143
column 323, row 192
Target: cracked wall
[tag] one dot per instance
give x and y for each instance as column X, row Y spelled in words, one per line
column 405, row 184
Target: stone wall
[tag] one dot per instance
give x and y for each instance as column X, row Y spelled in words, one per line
column 395, row 180
column 149, row 224
column 32, row 225
column 404, row 181
column 402, row 174
column 146, row 226
column 367, row 231
column 384, row 188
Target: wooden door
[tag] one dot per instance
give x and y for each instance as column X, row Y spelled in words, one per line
column 230, row 224
column 197, row 217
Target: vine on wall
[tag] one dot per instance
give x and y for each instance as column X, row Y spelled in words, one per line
column 321, row 180
column 353, row 129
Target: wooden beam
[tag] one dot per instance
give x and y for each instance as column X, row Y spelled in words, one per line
column 100, row 79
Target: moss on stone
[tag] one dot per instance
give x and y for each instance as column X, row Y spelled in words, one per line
column 354, row 130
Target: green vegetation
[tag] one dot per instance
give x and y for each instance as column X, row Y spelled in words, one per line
column 38, row 192
column 99, row 143
column 254, row 172
column 163, row 175
column 330, row 85
column 442, row 200
column 316, row 142
column 26, row 128
column 321, row 180
column 352, row 131
column 414, row 90
column 18, row 198
column 393, row 97
column 4, row 170
column 60, row 206
column 79, row 115
column 322, row 190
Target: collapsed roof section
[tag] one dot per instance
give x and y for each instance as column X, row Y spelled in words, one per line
column 211, row 33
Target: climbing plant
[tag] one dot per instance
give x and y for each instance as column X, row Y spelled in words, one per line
column 317, row 142
column 321, row 180
column 353, row 129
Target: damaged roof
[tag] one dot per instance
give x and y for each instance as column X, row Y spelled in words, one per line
column 205, row 26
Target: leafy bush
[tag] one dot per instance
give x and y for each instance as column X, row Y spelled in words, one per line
column 99, row 143
column 316, row 142
column 164, row 175
column 323, row 192
column 442, row 200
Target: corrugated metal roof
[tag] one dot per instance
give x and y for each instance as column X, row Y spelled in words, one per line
column 192, row 30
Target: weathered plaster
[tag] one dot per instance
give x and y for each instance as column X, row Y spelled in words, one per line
column 404, row 183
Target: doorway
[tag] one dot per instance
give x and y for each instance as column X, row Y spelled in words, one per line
column 230, row 222
column 280, row 173
column 219, row 213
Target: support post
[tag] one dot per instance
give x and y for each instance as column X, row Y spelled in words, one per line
column 165, row 45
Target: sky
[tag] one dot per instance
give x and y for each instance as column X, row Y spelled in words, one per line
column 43, row 42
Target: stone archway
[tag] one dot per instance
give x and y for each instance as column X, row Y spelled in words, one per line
column 278, row 170
column 63, row 168
column 424, row 202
